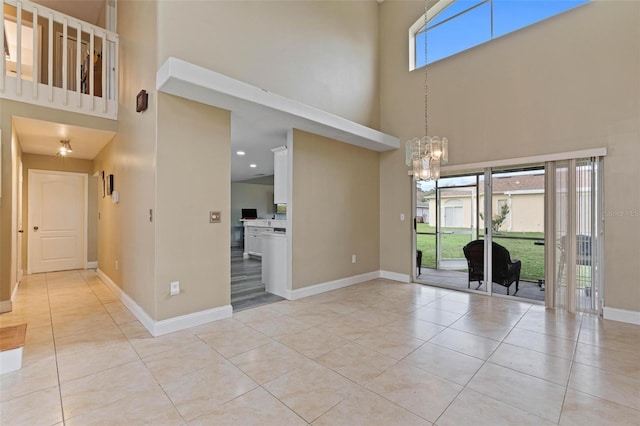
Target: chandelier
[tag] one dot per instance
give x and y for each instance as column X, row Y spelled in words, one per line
column 425, row 155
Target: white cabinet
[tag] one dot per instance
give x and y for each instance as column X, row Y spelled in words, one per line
column 253, row 240
column 274, row 264
column 280, row 175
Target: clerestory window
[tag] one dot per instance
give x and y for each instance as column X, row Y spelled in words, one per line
column 457, row 25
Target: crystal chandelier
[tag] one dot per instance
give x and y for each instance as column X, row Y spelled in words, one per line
column 425, row 155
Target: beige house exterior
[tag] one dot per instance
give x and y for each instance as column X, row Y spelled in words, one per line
column 524, row 194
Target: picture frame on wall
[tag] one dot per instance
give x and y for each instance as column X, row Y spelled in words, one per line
column 109, row 189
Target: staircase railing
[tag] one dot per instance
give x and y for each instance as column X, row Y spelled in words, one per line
column 56, row 60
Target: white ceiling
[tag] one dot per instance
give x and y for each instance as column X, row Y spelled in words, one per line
column 86, row 10
column 256, row 139
column 43, row 137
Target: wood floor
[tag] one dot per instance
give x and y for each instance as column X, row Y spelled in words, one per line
column 247, row 289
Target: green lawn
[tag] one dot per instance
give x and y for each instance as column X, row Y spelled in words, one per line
column 531, row 255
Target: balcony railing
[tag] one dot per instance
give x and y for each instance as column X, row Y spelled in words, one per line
column 55, row 60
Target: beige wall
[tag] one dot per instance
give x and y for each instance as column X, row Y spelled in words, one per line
column 8, row 109
column 126, row 234
column 335, row 209
column 249, row 196
column 541, row 90
column 322, row 53
column 45, row 162
column 193, row 178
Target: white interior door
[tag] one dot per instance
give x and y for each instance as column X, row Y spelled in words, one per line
column 57, row 221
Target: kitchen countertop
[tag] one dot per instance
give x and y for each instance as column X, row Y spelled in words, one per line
column 265, row 223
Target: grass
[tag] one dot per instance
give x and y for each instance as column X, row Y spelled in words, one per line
column 531, row 255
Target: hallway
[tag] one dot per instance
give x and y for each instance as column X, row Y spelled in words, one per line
column 375, row 353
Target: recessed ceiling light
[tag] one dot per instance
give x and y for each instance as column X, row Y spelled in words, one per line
column 240, row 152
column 253, row 166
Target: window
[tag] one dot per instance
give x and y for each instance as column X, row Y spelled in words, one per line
column 457, row 25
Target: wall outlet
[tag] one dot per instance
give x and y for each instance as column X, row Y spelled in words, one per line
column 401, row 216
column 353, row 258
column 174, row 288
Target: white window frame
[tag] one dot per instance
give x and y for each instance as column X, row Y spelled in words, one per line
column 413, row 30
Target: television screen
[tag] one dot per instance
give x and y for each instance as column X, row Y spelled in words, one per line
column 249, row 213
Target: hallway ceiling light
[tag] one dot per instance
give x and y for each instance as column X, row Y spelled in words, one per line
column 65, row 147
column 240, row 153
column 425, row 155
column 253, row 166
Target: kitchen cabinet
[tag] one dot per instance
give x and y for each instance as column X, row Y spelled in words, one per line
column 280, row 175
column 253, row 230
column 274, row 263
column 253, row 240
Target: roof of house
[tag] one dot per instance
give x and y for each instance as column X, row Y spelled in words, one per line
column 501, row 185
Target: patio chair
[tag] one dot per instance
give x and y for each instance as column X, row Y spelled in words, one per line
column 505, row 271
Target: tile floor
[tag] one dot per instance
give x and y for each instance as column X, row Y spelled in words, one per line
column 378, row 353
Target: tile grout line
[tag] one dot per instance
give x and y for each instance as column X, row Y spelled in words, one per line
column 55, row 349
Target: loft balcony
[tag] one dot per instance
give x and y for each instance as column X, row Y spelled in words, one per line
column 55, row 60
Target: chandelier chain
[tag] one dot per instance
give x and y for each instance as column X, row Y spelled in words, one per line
column 426, row 87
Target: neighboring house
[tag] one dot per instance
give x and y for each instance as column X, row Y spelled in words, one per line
column 523, row 194
column 525, row 97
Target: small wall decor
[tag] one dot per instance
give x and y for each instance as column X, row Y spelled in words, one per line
column 109, row 184
column 141, row 101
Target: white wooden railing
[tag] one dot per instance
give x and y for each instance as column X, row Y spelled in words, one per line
column 89, row 87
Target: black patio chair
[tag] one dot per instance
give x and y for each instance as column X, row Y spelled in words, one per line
column 505, row 271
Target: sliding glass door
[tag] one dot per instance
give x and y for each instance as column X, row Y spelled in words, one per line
column 517, row 224
column 543, row 224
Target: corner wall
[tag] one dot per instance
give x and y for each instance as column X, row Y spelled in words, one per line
column 193, row 178
column 556, row 86
column 335, row 208
column 126, row 234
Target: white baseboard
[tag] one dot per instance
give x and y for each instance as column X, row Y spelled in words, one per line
column 191, row 320
column 10, row 360
column 332, row 285
column 127, row 301
column 6, row 306
column 394, row 276
column 170, row 325
column 92, row 265
column 622, row 315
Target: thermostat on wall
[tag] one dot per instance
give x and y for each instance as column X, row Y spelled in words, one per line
column 115, row 197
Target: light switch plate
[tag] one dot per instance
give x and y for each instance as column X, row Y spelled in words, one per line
column 215, row 217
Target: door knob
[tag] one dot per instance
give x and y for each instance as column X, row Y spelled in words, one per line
column 20, row 231
column 35, row 228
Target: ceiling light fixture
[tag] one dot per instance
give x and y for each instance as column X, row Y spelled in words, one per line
column 253, row 166
column 241, row 153
column 425, row 155
column 65, row 147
